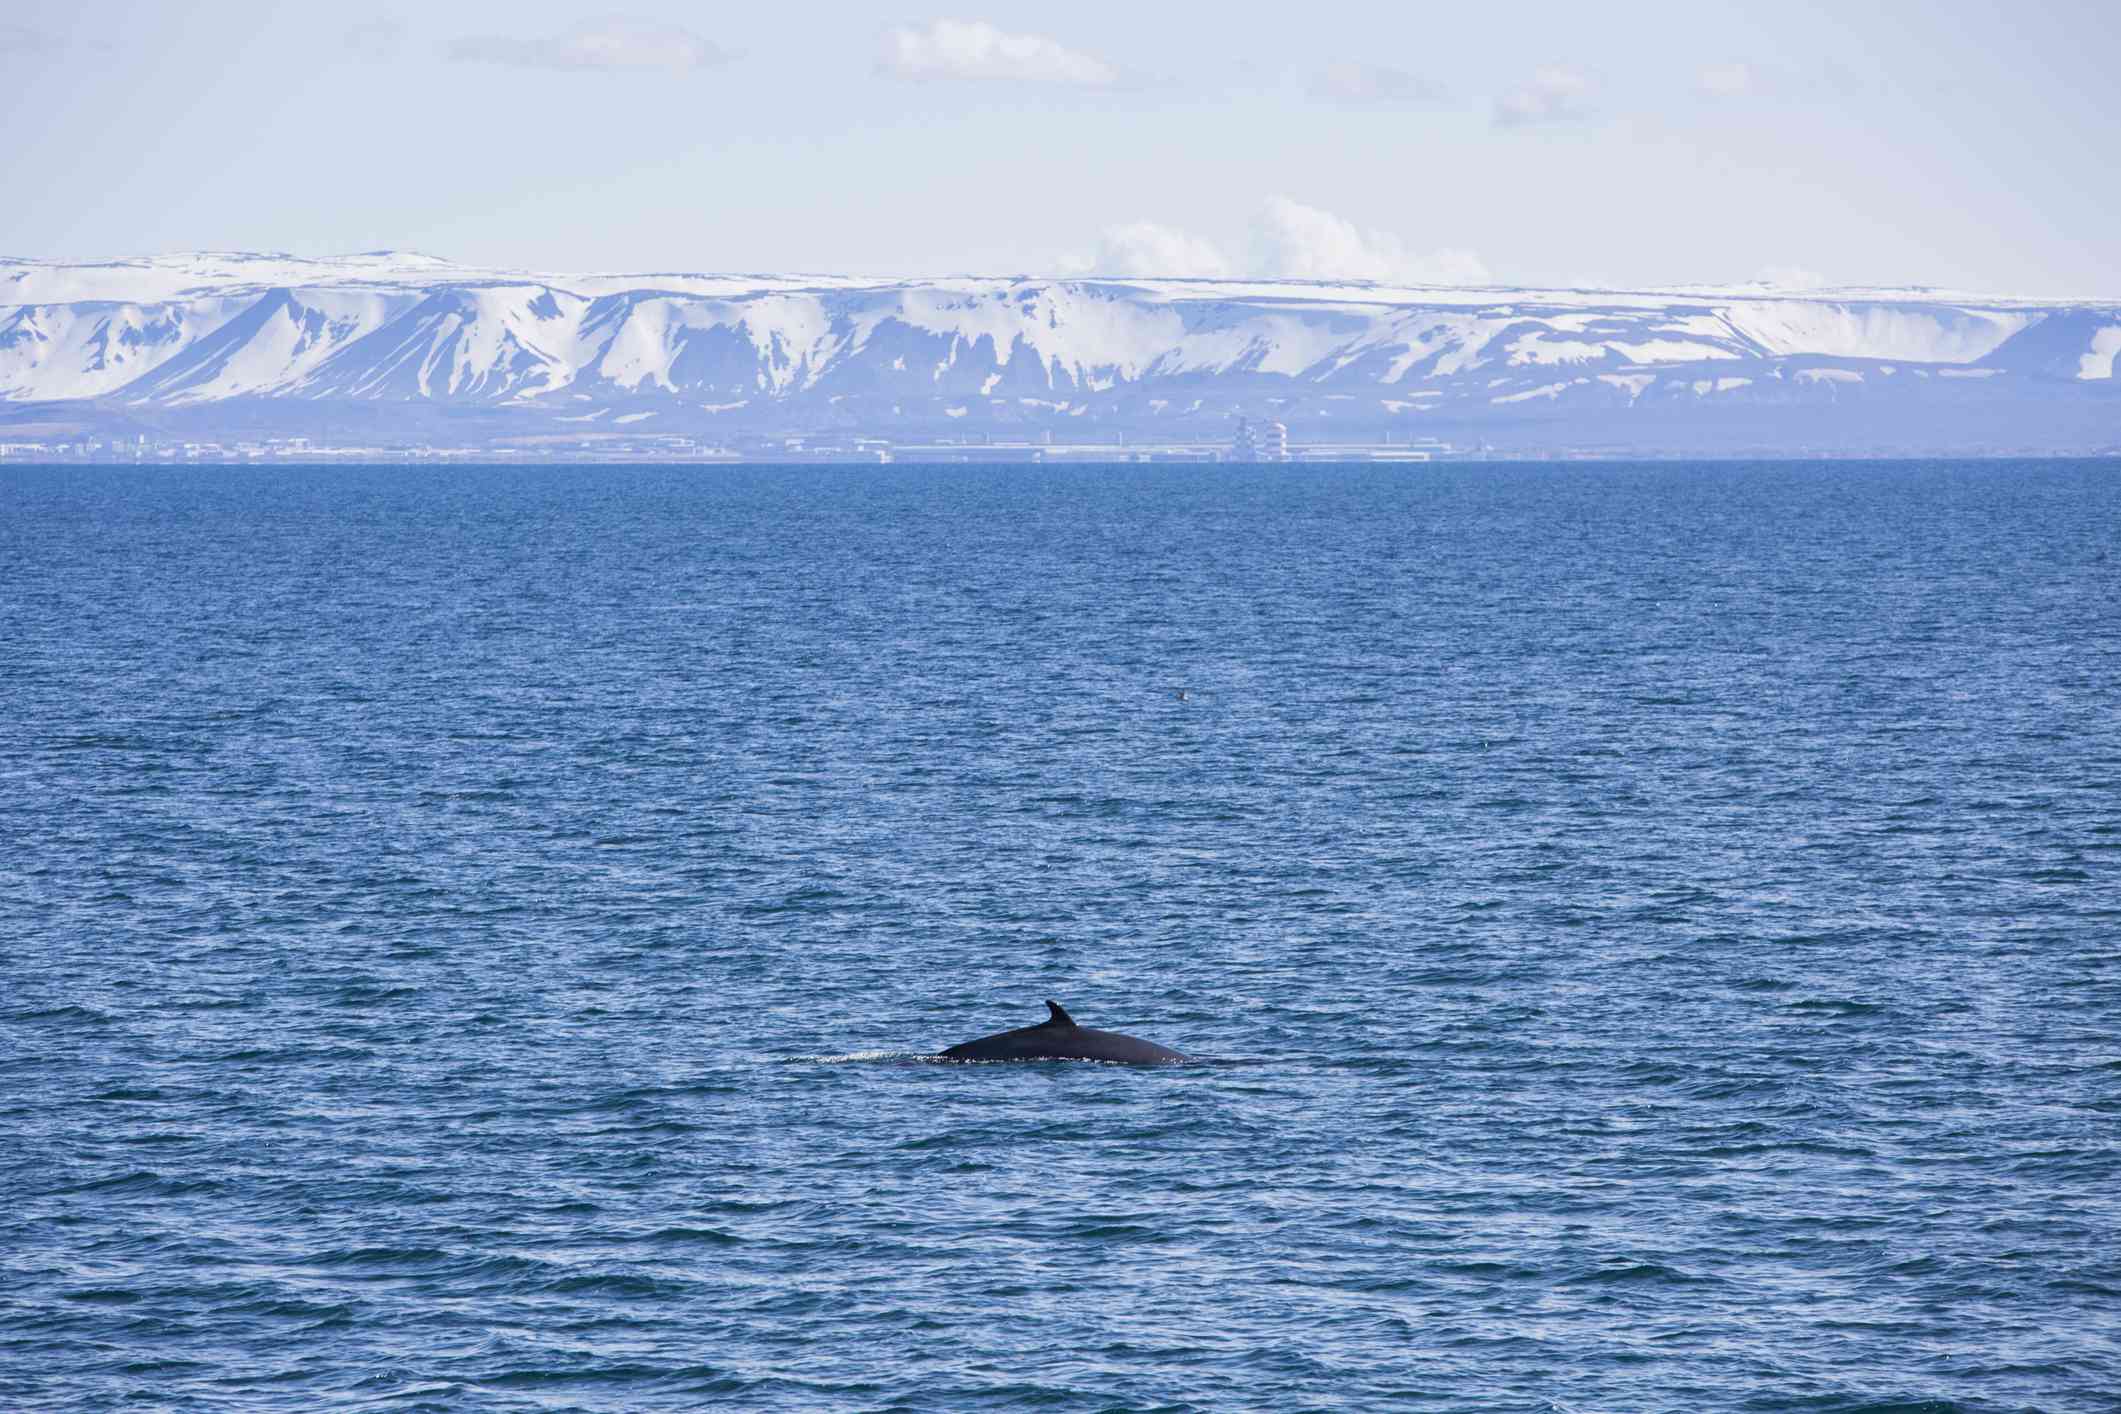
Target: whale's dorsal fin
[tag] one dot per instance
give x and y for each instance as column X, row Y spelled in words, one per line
column 1059, row 1017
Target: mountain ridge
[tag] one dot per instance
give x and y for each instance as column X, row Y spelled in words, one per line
column 275, row 341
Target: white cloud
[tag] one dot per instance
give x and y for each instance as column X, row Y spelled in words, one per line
column 1828, row 82
column 974, row 49
column 1144, row 249
column 1375, row 83
column 376, row 39
column 1554, row 95
column 1288, row 241
column 610, row 44
column 1728, row 80
column 1292, row 241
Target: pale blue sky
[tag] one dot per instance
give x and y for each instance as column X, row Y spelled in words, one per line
column 1969, row 145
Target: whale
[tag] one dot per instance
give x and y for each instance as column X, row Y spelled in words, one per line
column 1059, row 1038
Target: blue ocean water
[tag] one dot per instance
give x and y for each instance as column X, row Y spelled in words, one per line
column 1651, row 934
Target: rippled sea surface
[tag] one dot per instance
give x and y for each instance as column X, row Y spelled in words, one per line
column 1651, row 937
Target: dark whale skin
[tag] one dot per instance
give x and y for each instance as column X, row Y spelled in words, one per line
column 1059, row 1038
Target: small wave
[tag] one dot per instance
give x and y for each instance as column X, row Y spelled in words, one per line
column 637, row 1131
column 94, row 741
column 1118, row 1232
column 619, row 1285
column 1840, row 1404
column 703, row 1236
column 314, row 1315
column 104, row 1296
column 1650, row 1272
column 144, row 1368
column 1734, row 1087
column 1486, row 1270
column 381, row 1257
column 139, row 1181
column 1839, row 1006
column 600, row 1375
column 63, row 1013
column 369, row 995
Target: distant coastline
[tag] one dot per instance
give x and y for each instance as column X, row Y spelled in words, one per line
column 388, row 356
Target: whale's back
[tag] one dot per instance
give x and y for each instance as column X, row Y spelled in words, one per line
column 1061, row 1039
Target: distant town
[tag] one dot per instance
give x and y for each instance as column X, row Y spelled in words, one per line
column 1252, row 442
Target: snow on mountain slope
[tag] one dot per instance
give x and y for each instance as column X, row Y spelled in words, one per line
column 483, row 343
column 50, row 352
column 1911, row 334
column 767, row 344
column 1078, row 335
column 273, row 344
column 2098, row 360
column 386, row 327
column 919, row 338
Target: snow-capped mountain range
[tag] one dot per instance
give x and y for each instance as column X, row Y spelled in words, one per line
column 393, row 345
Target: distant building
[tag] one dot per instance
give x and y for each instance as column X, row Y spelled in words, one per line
column 1260, row 442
